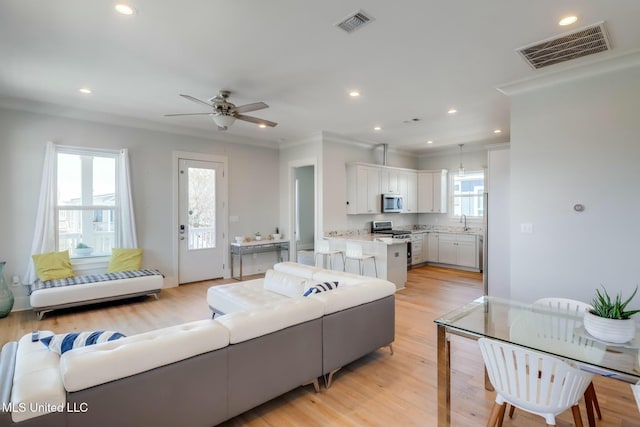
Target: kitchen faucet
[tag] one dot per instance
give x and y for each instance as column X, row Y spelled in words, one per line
column 465, row 222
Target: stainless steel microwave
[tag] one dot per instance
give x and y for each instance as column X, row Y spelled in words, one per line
column 392, row 203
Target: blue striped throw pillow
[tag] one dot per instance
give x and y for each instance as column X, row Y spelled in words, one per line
column 320, row 287
column 61, row 343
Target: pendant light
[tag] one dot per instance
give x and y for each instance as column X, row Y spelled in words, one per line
column 461, row 168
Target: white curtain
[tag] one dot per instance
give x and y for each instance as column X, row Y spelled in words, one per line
column 44, row 235
column 127, row 223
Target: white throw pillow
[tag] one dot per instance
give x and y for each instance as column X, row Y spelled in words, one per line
column 284, row 284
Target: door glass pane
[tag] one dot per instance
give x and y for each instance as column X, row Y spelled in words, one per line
column 202, row 208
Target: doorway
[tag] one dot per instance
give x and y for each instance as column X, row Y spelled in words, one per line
column 303, row 227
column 201, row 226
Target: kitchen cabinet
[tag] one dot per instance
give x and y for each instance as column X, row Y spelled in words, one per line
column 432, row 247
column 458, row 249
column 418, row 249
column 410, row 191
column 432, row 191
column 389, row 180
column 363, row 189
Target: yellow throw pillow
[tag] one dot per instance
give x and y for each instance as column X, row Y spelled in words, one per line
column 124, row 260
column 53, row 265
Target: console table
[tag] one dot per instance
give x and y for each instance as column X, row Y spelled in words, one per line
column 254, row 247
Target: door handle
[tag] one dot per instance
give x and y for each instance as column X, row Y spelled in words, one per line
column 181, row 229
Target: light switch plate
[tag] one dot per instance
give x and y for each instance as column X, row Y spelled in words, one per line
column 526, row 228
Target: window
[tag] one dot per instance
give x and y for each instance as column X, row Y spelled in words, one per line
column 468, row 194
column 86, row 206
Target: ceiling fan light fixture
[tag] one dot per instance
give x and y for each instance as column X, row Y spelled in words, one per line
column 223, row 121
column 262, row 125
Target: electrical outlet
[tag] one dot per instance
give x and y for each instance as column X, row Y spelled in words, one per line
column 15, row 280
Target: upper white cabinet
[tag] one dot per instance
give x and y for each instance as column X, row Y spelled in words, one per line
column 389, row 180
column 363, row 189
column 432, row 191
column 409, row 190
column 366, row 183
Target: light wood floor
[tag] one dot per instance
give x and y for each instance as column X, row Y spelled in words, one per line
column 377, row 390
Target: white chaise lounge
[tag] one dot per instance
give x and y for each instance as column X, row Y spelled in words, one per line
column 90, row 289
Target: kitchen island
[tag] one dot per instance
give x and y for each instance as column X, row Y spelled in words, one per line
column 391, row 257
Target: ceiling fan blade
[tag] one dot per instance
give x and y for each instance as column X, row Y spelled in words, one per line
column 255, row 120
column 251, row 107
column 188, row 114
column 191, row 98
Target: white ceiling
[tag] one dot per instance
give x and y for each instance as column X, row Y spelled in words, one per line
column 416, row 60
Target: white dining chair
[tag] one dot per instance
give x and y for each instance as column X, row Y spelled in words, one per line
column 564, row 330
column 354, row 252
column 534, row 382
column 323, row 249
column 635, row 388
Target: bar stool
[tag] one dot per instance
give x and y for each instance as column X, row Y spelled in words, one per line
column 354, row 251
column 323, row 249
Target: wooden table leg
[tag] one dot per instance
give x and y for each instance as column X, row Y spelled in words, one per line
column 444, row 378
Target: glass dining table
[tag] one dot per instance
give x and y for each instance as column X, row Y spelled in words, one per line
column 537, row 327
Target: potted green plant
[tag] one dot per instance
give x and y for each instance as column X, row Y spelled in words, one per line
column 82, row 249
column 609, row 320
column 276, row 235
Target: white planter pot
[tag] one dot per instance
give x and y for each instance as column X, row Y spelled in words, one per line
column 616, row 331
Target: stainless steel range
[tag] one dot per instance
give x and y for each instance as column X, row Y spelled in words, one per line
column 385, row 228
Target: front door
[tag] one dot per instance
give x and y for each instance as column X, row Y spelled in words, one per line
column 200, row 228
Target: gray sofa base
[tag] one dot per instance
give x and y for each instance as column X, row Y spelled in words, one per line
column 192, row 392
column 269, row 366
column 353, row 333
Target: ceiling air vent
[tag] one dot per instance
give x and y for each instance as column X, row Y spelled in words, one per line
column 583, row 42
column 354, row 21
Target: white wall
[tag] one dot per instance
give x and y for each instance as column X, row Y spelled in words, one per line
column 498, row 258
column 253, row 181
column 576, row 142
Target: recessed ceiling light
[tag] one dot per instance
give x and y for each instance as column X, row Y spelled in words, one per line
column 497, row 131
column 452, row 111
column 568, row 20
column 354, row 93
column 125, row 9
column 377, row 128
column 85, row 90
column 429, row 142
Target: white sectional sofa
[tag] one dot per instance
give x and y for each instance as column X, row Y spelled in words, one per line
column 205, row 372
column 358, row 316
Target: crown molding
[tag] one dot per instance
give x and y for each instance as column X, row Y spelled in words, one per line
column 607, row 64
column 20, row 104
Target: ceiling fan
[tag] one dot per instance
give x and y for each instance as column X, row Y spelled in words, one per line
column 225, row 113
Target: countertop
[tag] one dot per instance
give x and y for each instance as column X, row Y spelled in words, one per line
column 452, row 230
column 371, row 238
